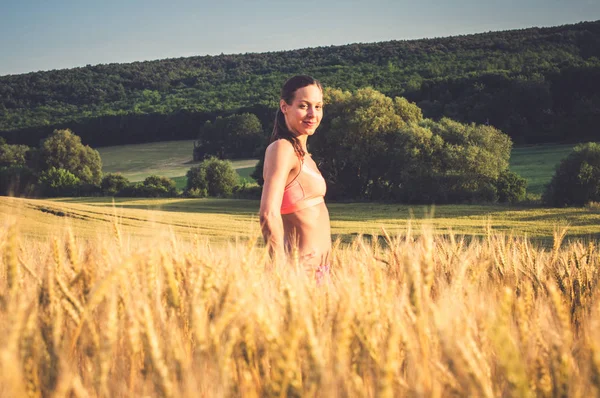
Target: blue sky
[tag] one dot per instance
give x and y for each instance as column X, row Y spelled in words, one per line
column 42, row 35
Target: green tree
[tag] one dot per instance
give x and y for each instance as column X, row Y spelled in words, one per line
column 113, row 183
column 157, row 186
column 64, row 150
column 511, row 187
column 59, row 182
column 576, row 180
column 351, row 140
column 375, row 147
column 244, row 133
column 197, row 184
column 212, row 177
column 471, row 149
column 13, row 155
column 446, row 161
column 231, row 137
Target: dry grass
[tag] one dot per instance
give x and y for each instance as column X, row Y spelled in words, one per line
column 39, row 219
column 222, row 219
column 121, row 314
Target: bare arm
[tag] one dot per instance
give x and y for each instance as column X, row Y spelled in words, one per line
column 280, row 159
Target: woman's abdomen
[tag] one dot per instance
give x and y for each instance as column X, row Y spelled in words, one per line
column 309, row 231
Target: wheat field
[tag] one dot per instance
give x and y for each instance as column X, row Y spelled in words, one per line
column 141, row 310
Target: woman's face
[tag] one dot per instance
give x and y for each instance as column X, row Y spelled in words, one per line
column 304, row 114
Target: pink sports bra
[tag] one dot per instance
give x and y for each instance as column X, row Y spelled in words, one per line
column 305, row 190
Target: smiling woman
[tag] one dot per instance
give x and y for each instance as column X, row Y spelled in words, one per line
column 293, row 214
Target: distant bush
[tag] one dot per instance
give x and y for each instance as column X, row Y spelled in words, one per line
column 113, row 183
column 576, row 180
column 59, row 182
column 157, row 186
column 445, row 189
column 467, row 189
column 511, row 187
column 247, row 191
column 195, row 193
column 152, row 187
column 213, row 177
column 130, row 191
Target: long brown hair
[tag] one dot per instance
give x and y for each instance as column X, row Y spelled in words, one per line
column 288, row 91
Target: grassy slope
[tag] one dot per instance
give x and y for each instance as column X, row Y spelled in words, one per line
column 537, row 163
column 169, row 159
column 224, row 219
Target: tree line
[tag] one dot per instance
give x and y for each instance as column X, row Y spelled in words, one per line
column 536, row 85
column 369, row 147
column 63, row 166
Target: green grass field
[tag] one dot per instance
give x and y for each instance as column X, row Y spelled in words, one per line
column 537, row 164
column 174, row 158
column 245, row 172
column 168, row 159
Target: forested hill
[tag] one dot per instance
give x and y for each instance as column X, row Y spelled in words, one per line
column 537, row 85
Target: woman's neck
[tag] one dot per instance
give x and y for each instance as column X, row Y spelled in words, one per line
column 303, row 139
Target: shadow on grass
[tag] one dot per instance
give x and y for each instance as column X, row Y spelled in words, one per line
column 370, row 211
column 190, row 205
column 540, row 242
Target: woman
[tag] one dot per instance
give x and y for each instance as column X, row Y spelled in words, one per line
column 293, row 214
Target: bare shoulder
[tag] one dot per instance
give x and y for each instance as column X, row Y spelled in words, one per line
column 282, row 153
column 280, row 148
